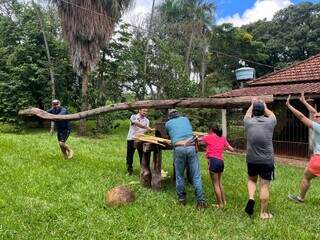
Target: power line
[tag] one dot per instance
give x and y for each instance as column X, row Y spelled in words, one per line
column 240, row 58
column 146, row 31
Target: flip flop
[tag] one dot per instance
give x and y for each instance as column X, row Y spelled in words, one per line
column 269, row 216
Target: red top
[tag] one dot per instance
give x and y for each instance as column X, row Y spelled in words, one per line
column 215, row 145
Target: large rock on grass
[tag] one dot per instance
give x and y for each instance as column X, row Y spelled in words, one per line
column 119, row 195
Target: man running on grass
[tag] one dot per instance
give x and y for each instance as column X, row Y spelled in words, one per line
column 259, row 124
column 63, row 128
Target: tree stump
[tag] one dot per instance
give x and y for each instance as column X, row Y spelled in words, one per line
column 145, row 173
column 119, row 195
column 151, row 177
column 156, row 169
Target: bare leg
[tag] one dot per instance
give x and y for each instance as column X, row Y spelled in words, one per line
column 223, row 196
column 264, row 199
column 216, row 187
column 252, row 186
column 305, row 183
column 67, row 152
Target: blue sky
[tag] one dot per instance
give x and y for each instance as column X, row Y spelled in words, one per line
column 230, row 7
column 237, row 12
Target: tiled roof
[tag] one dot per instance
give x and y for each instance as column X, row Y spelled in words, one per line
column 284, row 89
column 303, row 76
column 305, row 71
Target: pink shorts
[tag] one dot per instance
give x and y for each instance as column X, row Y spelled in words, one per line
column 314, row 165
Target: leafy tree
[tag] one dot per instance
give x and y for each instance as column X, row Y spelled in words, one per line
column 293, row 34
column 166, row 72
column 226, row 45
column 24, row 75
column 186, row 21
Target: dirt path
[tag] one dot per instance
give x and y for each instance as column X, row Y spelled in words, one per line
column 297, row 162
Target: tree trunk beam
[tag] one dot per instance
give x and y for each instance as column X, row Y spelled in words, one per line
column 145, row 172
column 158, row 104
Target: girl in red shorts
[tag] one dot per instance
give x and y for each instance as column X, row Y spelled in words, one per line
column 313, row 168
column 215, row 146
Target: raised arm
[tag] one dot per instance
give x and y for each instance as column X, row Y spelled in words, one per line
column 267, row 111
column 249, row 111
column 308, row 106
column 306, row 121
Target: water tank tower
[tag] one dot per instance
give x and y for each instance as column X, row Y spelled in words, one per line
column 244, row 74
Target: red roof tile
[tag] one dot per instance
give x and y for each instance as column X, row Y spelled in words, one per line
column 305, row 71
column 284, row 89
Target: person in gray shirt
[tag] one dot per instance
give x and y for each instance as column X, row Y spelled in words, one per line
column 259, row 123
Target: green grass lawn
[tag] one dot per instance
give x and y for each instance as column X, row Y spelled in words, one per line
column 43, row 196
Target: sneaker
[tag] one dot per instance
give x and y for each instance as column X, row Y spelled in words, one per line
column 202, row 205
column 295, row 198
column 249, row 207
column 182, row 202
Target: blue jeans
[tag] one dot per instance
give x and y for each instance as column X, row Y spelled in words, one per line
column 182, row 156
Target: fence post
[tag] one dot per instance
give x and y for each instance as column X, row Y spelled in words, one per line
column 224, row 122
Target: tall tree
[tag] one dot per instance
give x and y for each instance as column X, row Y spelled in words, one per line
column 147, row 46
column 50, row 65
column 24, row 73
column 197, row 17
column 88, row 26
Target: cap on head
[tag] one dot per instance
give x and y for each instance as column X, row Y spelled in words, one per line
column 173, row 113
column 55, row 102
column 258, row 109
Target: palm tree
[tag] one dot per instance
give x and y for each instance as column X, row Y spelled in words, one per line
column 88, row 26
column 191, row 18
column 200, row 14
column 50, row 65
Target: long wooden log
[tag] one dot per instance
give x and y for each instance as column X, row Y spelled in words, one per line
column 158, row 104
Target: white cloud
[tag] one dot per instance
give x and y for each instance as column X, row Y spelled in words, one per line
column 260, row 10
column 138, row 11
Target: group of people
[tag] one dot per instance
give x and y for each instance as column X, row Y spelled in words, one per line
column 259, row 123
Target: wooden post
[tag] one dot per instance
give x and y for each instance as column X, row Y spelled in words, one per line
column 145, row 173
column 156, row 169
column 224, row 122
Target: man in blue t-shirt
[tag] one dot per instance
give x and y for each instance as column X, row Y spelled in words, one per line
column 184, row 153
column 63, row 128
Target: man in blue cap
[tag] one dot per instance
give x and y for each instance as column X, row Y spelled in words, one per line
column 63, row 128
column 259, row 124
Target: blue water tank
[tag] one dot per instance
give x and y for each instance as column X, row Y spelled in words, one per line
column 245, row 73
